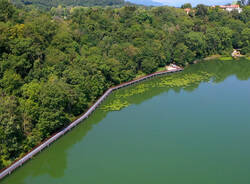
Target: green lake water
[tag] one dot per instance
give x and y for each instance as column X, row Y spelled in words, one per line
column 187, row 128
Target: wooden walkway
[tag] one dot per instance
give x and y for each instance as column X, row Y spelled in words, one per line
column 56, row 136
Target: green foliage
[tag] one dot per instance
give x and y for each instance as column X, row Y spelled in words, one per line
column 148, row 66
column 1, row 164
column 6, row 10
column 196, row 43
column 246, row 41
column 201, row 10
column 245, row 15
column 47, row 4
column 182, row 54
column 186, row 5
column 10, row 127
column 52, row 68
column 10, row 81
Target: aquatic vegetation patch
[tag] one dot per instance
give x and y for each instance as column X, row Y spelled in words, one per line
column 225, row 58
column 115, row 105
column 184, row 80
column 138, row 89
column 181, row 80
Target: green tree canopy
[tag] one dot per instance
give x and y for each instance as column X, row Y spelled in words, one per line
column 6, row 10
column 186, row 5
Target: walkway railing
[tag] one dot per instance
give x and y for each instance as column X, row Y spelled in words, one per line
column 57, row 135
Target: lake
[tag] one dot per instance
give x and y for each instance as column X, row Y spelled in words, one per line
column 191, row 127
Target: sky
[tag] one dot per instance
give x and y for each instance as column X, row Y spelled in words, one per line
column 178, row 3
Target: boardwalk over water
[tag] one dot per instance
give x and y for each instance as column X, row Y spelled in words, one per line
column 56, row 136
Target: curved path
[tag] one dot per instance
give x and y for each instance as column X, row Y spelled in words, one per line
column 56, row 136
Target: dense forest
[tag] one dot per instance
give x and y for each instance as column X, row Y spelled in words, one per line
column 53, row 65
column 47, row 4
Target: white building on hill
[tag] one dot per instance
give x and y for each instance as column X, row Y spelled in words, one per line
column 230, row 8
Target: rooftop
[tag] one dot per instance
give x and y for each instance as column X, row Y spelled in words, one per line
column 230, row 6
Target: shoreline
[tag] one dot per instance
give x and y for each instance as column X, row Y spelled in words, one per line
column 47, row 142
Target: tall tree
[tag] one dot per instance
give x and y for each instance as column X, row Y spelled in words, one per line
column 187, row 5
column 201, row 10
column 10, row 128
column 6, row 10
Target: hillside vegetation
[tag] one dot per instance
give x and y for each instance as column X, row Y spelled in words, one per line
column 53, row 68
column 47, row 4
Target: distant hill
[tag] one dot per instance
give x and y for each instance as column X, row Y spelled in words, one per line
column 178, row 3
column 54, row 3
column 145, row 2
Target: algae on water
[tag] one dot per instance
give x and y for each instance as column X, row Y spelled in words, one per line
column 181, row 80
column 115, row 105
column 184, row 80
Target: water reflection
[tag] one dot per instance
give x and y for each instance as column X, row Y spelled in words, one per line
column 219, row 71
column 53, row 161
